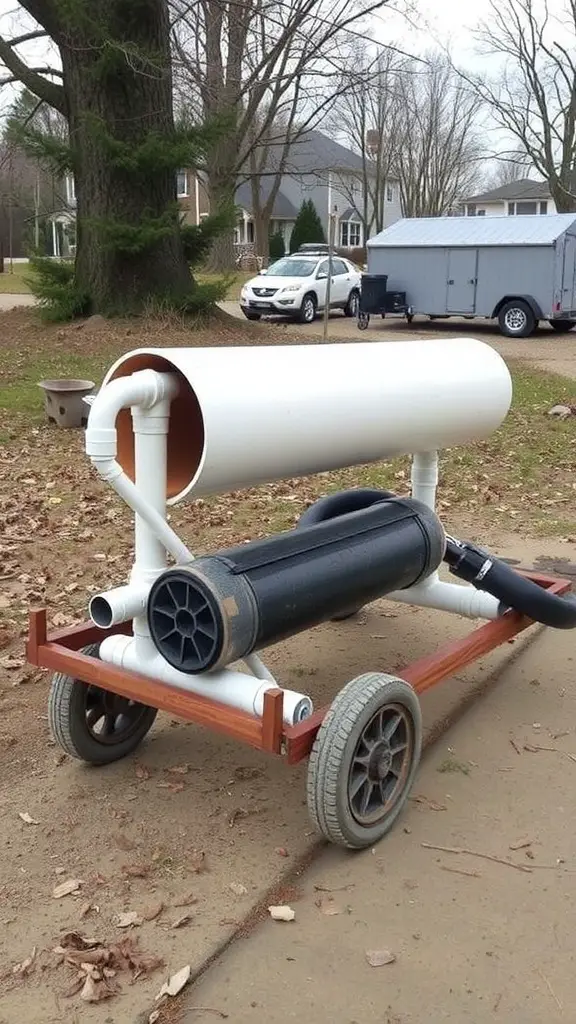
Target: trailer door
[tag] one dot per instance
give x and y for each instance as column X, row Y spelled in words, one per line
column 568, row 273
column 462, row 281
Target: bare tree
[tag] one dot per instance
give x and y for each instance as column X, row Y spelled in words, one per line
column 259, row 64
column 438, row 154
column 371, row 118
column 534, row 97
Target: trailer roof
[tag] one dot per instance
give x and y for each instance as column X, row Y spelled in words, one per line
column 473, row 231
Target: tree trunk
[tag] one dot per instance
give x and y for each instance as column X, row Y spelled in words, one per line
column 262, row 235
column 565, row 203
column 118, row 85
column 221, row 190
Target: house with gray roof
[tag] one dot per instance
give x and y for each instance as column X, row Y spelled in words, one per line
column 328, row 173
column 517, row 198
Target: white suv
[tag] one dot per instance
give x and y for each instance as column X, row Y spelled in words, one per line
column 295, row 286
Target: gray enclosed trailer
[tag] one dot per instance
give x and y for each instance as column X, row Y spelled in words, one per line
column 519, row 270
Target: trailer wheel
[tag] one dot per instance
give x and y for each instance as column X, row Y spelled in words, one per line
column 516, row 319
column 363, row 321
column 364, row 760
column 562, row 326
column 92, row 724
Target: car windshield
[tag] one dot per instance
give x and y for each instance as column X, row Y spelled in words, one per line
column 292, row 268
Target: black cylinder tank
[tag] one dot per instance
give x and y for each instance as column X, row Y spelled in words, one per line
column 221, row 607
column 373, row 293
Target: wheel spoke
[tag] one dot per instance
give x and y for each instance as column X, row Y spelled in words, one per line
column 398, row 748
column 109, row 724
column 356, row 784
column 94, row 715
column 366, row 796
column 391, row 727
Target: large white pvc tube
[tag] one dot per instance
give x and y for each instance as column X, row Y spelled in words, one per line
column 449, row 597
column 235, row 689
column 245, row 416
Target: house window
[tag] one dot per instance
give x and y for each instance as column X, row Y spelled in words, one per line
column 520, row 209
column 350, row 234
column 471, row 210
column 544, row 207
column 70, row 189
column 390, row 193
column 182, row 185
column 481, row 213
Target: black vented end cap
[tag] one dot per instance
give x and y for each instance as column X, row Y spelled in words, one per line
column 185, row 622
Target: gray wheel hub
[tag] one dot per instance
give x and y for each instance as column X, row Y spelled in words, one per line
column 515, row 320
column 308, row 310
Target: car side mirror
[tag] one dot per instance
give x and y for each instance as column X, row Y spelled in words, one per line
column 322, row 277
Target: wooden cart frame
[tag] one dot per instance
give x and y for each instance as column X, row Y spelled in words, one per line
column 61, row 651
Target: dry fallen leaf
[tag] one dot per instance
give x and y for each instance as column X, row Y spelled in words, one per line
column 187, row 901
column 128, row 920
column 281, row 913
column 27, row 818
column 181, row 921
column 142, row 772
column 136, row 870
column 77, row 941
column 72, row 885
column 281, row 851
column 11, row 662
column 124, row 843
column 175, row 983
column 327, row 906
column 96, row 987
column 198, row 863
column 238, row 889
column 152, row 912
column 178, row 769
column 380, row 957
column 26, row 966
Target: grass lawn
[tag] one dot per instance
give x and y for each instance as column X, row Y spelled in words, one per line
column 12, row 280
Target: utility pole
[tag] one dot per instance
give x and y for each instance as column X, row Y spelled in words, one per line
column 331, row 233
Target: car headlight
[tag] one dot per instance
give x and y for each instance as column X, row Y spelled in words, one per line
column 292, row 288
column 243, row 292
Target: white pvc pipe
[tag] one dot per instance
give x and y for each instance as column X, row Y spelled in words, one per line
column 424, row 477
column 449, row 597
column 235, row 689
column 119, row 605
column 245, row 416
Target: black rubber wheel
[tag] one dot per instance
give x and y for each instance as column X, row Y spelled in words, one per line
column 92, row 724
column 562, row 326
column 516, row 319
column 351, row 307
column 251, row 316
column 364, row 760
column 307, row 314
column 363, row 321
column 409, row 318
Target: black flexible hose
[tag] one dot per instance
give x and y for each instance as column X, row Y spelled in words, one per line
column 485, row 572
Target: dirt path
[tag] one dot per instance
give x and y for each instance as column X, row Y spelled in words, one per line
column 474, row 940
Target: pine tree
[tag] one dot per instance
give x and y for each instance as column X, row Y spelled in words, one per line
column 276, row 247
column 308, row 227
column 122, row 147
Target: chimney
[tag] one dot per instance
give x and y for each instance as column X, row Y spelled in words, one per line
column 372, row 143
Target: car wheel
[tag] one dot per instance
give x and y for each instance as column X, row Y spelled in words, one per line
column 308, row 308
column 516, row 319
column 351, row 307
column 251, row 316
